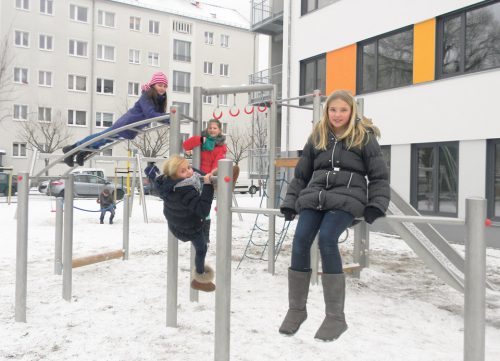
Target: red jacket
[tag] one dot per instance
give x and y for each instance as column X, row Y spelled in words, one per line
column 209, row 158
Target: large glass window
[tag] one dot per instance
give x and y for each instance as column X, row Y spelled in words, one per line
column 311, row 5
column 78, row 13
column 312, row 76
column 386, row 61
column 493, row 179
column 435, row 178
column 469, row 41
column 106, row 18
column 182, row 50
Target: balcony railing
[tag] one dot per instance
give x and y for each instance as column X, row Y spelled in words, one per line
column 267, row 76
column 267, row 16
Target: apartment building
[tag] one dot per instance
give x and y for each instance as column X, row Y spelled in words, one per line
column 427, row 72
column 82, row 62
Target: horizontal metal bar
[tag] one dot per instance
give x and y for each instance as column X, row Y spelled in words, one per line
column 295, row 98
column 424, row 219
column 237, row 89
column 297, row 106
column 184, row 116
column 269, row 211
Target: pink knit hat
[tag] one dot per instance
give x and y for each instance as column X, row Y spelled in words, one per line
column 157, row 78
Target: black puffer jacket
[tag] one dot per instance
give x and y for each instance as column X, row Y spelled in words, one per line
column 184, row 207
column 335, row 178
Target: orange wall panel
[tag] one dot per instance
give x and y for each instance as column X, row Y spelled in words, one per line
column 424, row 51
column 341, row 69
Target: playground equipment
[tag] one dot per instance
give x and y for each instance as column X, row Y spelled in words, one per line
column 474, row 270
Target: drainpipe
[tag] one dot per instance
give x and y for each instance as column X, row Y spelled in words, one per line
column 288, row 65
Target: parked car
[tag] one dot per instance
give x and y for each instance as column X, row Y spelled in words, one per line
column 86, row 185
column 4, row 184
column 244, row 186
column 43, row 187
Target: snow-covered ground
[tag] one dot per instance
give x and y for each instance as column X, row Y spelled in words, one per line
column 397, row 310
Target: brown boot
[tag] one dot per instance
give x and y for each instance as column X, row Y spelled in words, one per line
column 203, row 281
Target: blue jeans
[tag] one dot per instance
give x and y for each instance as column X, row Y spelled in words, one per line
column 200, row 245
column 330, row 225
column 98, row 144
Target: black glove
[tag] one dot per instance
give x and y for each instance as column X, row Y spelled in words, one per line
column 288, row 213
column 372, row 213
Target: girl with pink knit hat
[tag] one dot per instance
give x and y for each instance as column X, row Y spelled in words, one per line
column 151, row 104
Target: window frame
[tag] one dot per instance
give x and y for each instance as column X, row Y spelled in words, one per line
column 21, row 70
column 178, row 44
column 101, row 55
column 302, row 75
column 178, row 88
column 45, row 72
column 21, row 146
column 134, row 56
column 100, row 82
column 224, row 70
column 75, row 8
column 490, row 178
column 151, row 58
column 76, row 41
column 102, row 16
column 224, row 44
column 22, row 38
column 47, row 2
column 45, row 37
column 99, row 114
column 435, row 177
column 134, row 84
column 45, row 111
column 156, row 27
column 181, row 107
column 20, row 112
column 303, row 6
column 74, row 83
column 375, row 40
column 75, row 111
column 208, row 65
column 209, row 37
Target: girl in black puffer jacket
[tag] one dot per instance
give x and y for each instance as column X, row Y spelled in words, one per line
column 185, row 209
column 329, row 190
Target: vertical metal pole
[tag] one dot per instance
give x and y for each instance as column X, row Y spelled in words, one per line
column 173, row 244
column 223, row 261
column 59, row 236
column 361, row 249
column 126, row 226
column 475, row 280
column 22, row 247
column 141, row 186
column 68, row 237
column 197, row 115
column 314, row 247
column 271, row 185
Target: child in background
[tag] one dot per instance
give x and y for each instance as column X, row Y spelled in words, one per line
column 151, row 104
column 151, row 172
column 107, row 202
column 186, row 204
column 213, row 148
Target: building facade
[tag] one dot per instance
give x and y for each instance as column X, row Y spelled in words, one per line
column 427, row 73
column 82, row 62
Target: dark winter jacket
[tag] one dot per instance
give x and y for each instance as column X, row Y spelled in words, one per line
column 208, row 158
column 184, row 207
column 106, row 200
column 151, row 171
column 143, row 109
column 335, row 178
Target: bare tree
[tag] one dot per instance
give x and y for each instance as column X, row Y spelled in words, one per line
column 45, row 136
column 259, row 153
column 154, row 143
column 238, row 144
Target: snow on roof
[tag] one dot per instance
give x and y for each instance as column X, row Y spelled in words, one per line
column 194, row 9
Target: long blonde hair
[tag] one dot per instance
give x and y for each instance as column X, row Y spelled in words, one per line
column 173, row 163
column 356, row 130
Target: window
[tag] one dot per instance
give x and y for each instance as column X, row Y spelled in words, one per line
column 208, row 67
column 22, row 38
column 312, row 76
column 77, row 48
column 20, row 112
column 468, row 41
column 106, row 18
column 310, row 5
column 182, row 50
column 104, row 86
column 154, row 27
column 493, row 179
column 182, row 27
column 386, row 153
column 44, row 78
column 107, row 153
column 47, row 7
column 209, row 38
column 46, row 42
column 103, row 119
column 77, row 117
column 206, row 99
column 182, row 82
column 434, row 178
column 386, row 61
column 23, row 4
column 135, row 23
column 77, row 82
column 224, row 40
column 153, row 59
column 224, row 70
column 134, row 56
column 182, row 108
column 133, row 88
column 204, row 125
column 223, row 100
column 44, row 114
column 78, row 13
column 105, row 52
column 21, row 75
column 18, row 149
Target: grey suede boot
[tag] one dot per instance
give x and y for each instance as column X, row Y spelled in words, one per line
column 298, row 288
column 334, row 323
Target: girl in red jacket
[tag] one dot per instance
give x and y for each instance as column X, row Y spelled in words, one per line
column 213, row 148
